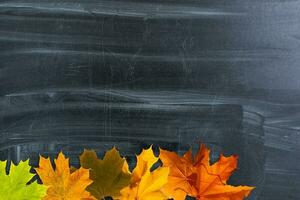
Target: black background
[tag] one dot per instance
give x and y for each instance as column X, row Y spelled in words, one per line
column 94, row 74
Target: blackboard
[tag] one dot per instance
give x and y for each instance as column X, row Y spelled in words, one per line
column 80, row 74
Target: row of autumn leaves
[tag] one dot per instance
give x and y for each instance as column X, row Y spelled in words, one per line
column 177, row 177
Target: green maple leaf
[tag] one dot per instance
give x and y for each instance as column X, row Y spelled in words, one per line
column 109, row 175
column 13, row 186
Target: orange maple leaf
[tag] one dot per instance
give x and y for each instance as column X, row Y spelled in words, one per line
column 194, row 176
column 62, row 183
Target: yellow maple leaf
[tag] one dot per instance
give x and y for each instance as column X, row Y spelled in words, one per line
column 146, row 185
column 62, row 184
column 194, row 176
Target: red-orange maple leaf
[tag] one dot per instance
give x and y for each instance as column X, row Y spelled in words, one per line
column 194, row 176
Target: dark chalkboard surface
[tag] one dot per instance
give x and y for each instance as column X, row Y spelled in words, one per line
column 80, row 74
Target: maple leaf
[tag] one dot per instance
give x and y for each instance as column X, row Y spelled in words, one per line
column 62, row 184
column 109, row 175
column 181, row 179
column 146, row 185
column 195, row 176
column 14, row 185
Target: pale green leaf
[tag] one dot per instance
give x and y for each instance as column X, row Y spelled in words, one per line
column 13, row 186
